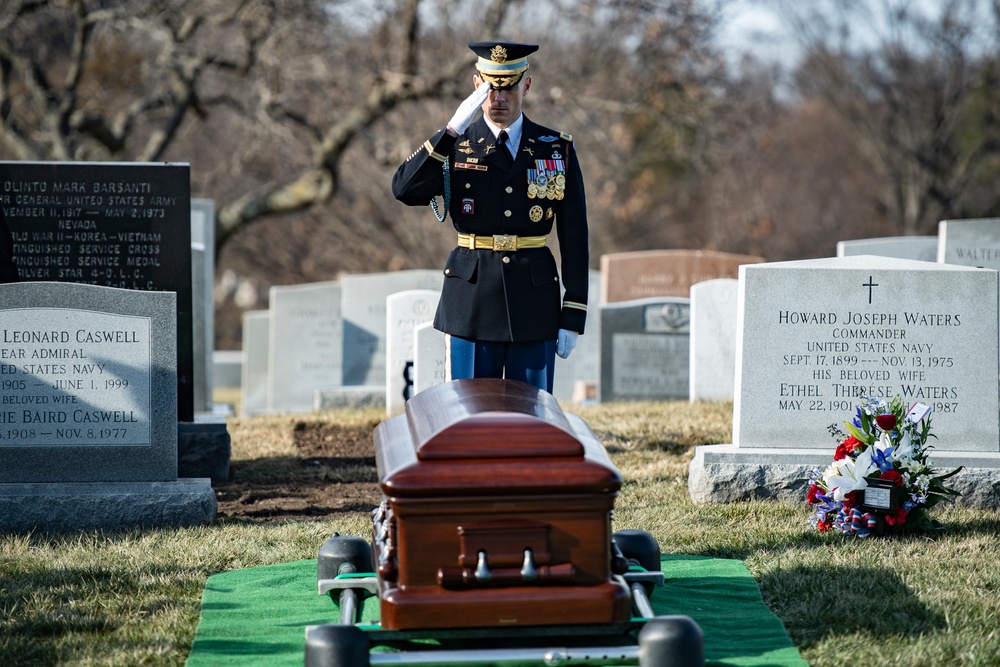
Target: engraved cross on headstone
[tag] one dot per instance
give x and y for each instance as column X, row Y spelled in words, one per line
column 869, row 285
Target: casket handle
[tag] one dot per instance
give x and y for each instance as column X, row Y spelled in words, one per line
column 482, row 569
column 528, row 570
column 464, row 577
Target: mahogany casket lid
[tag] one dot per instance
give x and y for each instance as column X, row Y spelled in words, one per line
column 486, row 436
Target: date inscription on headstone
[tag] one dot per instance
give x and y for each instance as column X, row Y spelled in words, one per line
column 71, row 376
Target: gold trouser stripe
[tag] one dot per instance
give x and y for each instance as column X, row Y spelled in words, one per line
column 500, row 242
column 447, row 357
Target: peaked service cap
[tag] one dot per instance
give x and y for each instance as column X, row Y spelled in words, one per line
column 502, row 63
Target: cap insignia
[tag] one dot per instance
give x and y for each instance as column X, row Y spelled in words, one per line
column 498, row 54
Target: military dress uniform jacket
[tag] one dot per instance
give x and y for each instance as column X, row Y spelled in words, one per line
column 502, row 295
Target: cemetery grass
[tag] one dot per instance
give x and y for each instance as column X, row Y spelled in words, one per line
column 133, row 597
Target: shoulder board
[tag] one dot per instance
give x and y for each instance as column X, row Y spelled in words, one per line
column 565, row 137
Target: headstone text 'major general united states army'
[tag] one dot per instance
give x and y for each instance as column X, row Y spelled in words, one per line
column 80, row 248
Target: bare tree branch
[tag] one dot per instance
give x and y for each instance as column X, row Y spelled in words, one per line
column 321, row 181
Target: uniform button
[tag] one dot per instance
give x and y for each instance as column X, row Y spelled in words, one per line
column 509, row 189
column 468, row 185
column 447, row 271
column 505, row 260
column 507, row 213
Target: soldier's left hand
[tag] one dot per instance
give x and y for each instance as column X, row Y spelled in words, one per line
column 565, row 342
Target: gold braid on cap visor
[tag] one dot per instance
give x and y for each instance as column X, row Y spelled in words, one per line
column 502, row 75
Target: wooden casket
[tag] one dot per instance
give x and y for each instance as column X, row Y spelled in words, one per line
column 496, row 512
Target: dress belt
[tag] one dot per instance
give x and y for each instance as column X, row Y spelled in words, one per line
column 500, row 242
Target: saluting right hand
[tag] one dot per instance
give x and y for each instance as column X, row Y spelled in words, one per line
column 467, row 109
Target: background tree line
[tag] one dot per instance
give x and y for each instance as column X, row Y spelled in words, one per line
column 294, row 114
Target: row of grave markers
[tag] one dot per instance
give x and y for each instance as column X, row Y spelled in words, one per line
column 369, row 335
column 681, row 345
column 95, row 378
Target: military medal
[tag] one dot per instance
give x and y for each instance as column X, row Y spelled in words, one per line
column 532, row 190
column 560, row 180
column 535, row 213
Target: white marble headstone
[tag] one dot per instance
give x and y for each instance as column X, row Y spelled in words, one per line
column 203, row 304
column 923, row 248
column 713, row 340
column 363, row 309
column 404, row 312
column 429, row 357
column 974, row 242
column 812, row 335
column 253, row 383
column 306, row 344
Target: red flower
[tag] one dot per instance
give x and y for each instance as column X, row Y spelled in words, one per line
column 898, row 518
column 886, row 422
column 813, row 491
column 845, row 448
column 894, row 477
column 851, row 499
column 822, row 526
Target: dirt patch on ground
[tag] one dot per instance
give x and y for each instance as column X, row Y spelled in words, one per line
column 334, row 472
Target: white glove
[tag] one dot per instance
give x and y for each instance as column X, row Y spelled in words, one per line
column 467, row 109
column 565, row 342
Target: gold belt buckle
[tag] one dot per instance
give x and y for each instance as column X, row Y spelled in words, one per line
column 504, row 242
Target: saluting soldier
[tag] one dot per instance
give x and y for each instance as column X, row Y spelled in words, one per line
column 505, row 181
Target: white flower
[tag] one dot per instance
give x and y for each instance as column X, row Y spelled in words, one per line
column 904, row 450
column 850, row 474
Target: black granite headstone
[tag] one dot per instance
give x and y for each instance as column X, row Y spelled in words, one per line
column 116, row 224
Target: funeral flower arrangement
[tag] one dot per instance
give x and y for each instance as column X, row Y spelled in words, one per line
column 883, row 452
